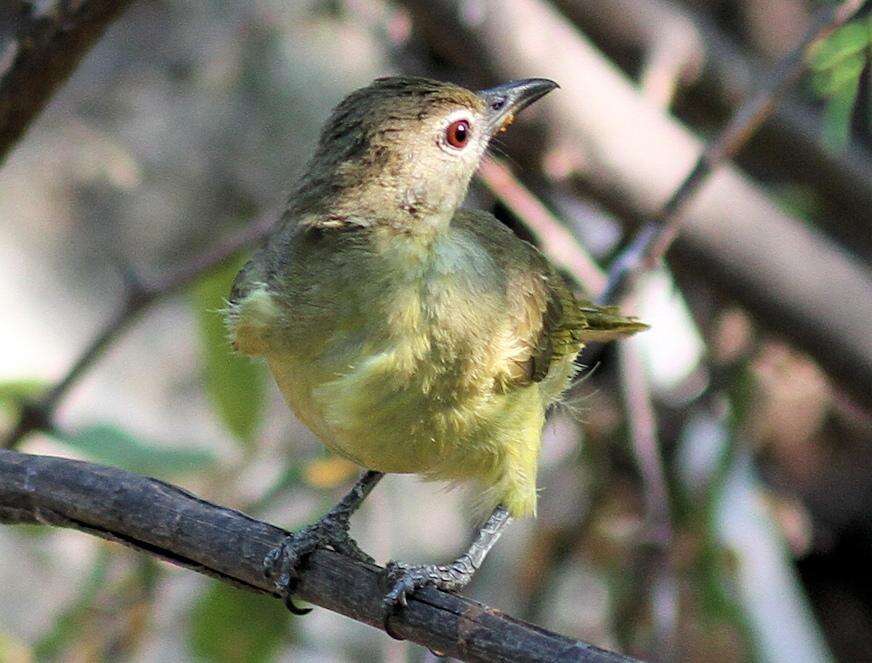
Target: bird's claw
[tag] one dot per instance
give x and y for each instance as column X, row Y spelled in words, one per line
column 404, row 579
column 282, row 563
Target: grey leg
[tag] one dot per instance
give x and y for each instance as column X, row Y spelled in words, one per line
column 282, row 563
column 452, row 577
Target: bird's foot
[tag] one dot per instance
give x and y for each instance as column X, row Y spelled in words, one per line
column 404, row 579
column 282, row 564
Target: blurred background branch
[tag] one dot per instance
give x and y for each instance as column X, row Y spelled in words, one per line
column 140, row 292
column 718, row 71
column 40, row 46
column 654, row 239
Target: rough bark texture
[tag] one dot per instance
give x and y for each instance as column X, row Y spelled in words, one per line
column 39, row 48
column 170, row 523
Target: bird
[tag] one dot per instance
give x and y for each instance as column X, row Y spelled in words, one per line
column 410, row 334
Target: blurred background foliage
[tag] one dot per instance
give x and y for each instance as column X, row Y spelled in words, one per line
column 184, row 121
column 837, row 64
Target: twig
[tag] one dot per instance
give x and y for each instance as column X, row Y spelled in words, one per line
column 721, row 72
column 652, row 241
column 45, row 46
column 167, row 522
column 654, row 571
column 139, row 294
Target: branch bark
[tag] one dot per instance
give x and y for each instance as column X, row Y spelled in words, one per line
column 39, row 48
column 793, row 279
column 167, row 522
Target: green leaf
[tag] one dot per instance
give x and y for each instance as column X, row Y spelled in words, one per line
column 830, row 82
column 230, row 624
column 837, row 117
column 235, row 384
column 110, row 445
column 848, row 40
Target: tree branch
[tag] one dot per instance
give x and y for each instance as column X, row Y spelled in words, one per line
column 39, row 48
column 652, row 241
column 165, row 521
column 723, row 73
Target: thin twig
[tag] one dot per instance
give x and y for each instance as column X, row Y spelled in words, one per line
column 140, row 293
column 654, row 570
column 722, row 73
column 167, row 522
column 652, row 241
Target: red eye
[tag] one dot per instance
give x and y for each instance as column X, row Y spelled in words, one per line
column 457, row 133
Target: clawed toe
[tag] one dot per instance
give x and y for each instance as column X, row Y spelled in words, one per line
column 404, row 580
column 282, row 564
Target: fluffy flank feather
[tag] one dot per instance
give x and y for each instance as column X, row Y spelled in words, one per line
column 251, row 321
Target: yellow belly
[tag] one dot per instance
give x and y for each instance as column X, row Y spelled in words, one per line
column 373, row 413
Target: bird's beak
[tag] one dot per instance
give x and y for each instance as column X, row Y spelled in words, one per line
column 506, row 100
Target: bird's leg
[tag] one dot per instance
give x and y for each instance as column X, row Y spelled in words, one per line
column 452, row 577
column 282, row 563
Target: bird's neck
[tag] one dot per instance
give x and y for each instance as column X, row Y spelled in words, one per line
column 347, row 195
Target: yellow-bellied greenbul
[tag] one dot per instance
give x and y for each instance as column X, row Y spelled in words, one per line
column 408, row 334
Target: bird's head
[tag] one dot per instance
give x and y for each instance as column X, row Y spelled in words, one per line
column 404, row 149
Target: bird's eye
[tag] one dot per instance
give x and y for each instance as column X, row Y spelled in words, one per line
column 457, row 133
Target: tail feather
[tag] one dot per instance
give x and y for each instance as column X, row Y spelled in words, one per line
column 606, row 323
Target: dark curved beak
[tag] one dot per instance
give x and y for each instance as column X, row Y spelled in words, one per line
column 504, row 101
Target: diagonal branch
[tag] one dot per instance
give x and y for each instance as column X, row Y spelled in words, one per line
column 40, row 46
column 165, row 521
column 652, row 241
column 719, row 71
column 140, row 294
